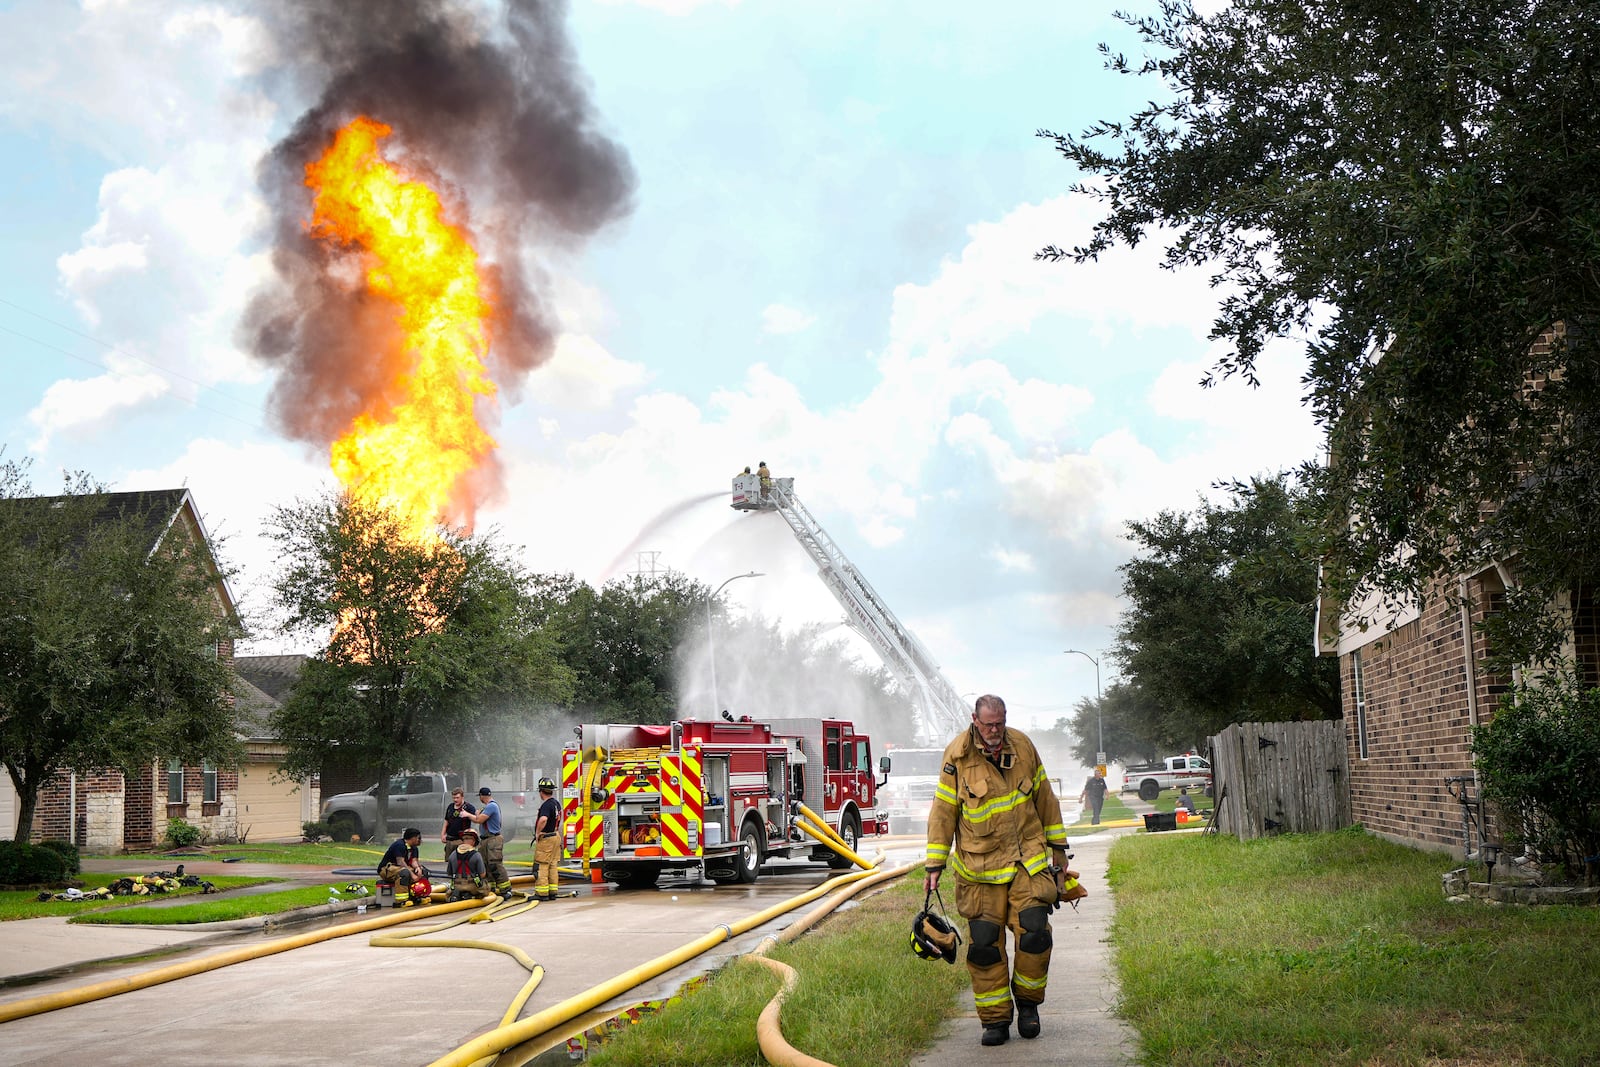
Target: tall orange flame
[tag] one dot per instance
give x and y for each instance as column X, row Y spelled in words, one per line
column 409, row 453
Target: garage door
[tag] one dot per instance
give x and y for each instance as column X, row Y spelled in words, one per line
column 268, row 810
column 8, row 808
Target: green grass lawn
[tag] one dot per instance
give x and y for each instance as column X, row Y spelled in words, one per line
column 862, row 999
column 1340, row 949
column 304, row 853
column 215, row 908
column 24, row 903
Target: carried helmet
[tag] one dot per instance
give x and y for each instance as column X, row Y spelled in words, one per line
column 933, row 938
column 547, row 784
column 422, row 888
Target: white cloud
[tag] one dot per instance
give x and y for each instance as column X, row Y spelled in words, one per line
column 70, row 404
column 582, row 375
column 1011, row 561
column 673, row 7
column 782, row 319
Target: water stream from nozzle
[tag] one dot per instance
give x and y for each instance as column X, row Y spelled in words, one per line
column 655, row 525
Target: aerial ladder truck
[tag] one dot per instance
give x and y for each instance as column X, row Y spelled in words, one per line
column 941, row 711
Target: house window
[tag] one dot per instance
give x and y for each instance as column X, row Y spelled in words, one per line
column 174, row 781
column 1358, row 685
column 210, row 772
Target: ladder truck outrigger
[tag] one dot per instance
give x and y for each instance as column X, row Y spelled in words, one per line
column 941, row 714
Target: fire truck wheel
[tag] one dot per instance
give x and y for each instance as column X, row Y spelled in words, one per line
column 749, row 854
column 850, row 830
column 1149, row 789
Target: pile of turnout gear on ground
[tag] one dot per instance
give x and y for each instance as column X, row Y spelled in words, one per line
column 138, row 885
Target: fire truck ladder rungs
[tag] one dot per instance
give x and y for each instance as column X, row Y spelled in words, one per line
column 943, row 711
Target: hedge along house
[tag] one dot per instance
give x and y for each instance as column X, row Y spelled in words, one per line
column 108, row 810
column 1414, row 685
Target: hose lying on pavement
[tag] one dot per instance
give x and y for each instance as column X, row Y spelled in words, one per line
column 67, row 998
column 494, row 909
column 508, row 1036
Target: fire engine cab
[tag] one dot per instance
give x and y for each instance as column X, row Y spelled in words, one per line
column 718, row 795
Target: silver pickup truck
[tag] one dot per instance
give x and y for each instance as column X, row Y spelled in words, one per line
column 419, row 799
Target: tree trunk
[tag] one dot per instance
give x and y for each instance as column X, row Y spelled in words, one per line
column 27, row 787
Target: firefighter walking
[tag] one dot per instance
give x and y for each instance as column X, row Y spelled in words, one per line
column 995, row 820
column 547, row 843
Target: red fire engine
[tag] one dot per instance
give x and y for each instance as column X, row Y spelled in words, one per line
column 722, row 796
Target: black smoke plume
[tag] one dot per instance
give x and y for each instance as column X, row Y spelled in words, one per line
column 487, row 101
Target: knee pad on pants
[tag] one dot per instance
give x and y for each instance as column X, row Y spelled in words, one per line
column 984, row 951
column 1035, row 930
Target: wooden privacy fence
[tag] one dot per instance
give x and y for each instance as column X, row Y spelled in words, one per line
column 1280, row 777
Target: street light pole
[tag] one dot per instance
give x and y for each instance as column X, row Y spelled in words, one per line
column 1099, row 721
column 711, row 642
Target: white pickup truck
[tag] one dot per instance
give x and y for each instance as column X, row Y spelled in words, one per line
column 1149, row 779
column 418, row 799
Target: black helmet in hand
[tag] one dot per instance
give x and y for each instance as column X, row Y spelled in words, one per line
column 933, row 938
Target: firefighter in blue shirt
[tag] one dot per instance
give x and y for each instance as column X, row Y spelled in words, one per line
column 492, row 845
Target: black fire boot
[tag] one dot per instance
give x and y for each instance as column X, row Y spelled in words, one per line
column 1027, row 1019
column 998, row 1034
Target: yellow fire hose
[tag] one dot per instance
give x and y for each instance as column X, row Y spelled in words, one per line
column 769, row 1029
column 595, row 758
column 68, row 998
column 504, row 1037
column 492, row 911
column 818, row 828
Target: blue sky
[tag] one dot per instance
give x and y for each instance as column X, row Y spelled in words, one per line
column 827, row 265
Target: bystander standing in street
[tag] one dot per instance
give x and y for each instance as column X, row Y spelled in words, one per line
column 1094, row 794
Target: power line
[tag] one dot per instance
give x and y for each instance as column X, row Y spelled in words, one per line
column 254, row 424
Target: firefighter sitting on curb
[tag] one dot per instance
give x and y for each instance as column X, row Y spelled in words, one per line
column 994, row 801
column 401, row 867
column 466, row 868
column 547, row 843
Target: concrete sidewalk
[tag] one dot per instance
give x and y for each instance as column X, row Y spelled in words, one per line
column 1078, row 1026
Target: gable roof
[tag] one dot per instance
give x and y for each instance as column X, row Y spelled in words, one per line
column 160, row 510
column 271, row 676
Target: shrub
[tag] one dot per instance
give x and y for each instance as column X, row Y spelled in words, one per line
column 22, row 864
column 1540, row 759
column 315, row 831
column 69, row 852
column 182, row 834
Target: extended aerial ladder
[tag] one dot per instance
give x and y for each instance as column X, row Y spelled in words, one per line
column 942, row 711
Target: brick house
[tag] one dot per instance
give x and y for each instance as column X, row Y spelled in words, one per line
column 105, row 811
column 1413, row 686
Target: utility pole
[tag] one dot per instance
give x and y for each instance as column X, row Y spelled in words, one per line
column 711, row 643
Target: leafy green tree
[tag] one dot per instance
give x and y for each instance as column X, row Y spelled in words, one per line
column 620, row 641
column 1411, row 190
column 1221, row 609
column 108, row 647
column 435, row 649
